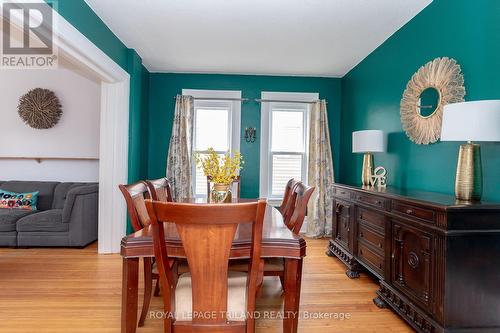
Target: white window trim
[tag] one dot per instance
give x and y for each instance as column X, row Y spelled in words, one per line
column 235, row 115
column 265, row 142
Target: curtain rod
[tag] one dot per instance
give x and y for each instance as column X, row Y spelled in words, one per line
column 248, row 99
column 218, row 99
column 284, row 101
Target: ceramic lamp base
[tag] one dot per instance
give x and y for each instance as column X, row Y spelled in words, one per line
column 469, row 178
column 367, row 171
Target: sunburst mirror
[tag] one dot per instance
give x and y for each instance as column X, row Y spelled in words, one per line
column 437, row 83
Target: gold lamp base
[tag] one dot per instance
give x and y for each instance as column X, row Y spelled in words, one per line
column 367, row 172
column 469, row 178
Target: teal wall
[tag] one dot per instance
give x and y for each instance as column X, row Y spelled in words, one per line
column 82, row 17
column 462, row 29
column 163, row 88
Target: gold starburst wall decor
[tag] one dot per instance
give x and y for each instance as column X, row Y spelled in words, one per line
column 422, row 119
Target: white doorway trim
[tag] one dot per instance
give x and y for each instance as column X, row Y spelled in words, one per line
column 72, row 45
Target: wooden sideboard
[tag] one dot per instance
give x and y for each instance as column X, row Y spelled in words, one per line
column 438, row 260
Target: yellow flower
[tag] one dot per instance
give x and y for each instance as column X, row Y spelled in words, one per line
column 221, row 169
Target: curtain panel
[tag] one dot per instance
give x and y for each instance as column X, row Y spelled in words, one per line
column 179, row 159
column 320, row 173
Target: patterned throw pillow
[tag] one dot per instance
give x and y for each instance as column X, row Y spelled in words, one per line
column 14, row 200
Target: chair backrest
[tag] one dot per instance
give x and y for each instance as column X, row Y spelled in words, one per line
column 135, row 195
column 161, row 189
column 288, row 199
column 207, row 232
column 302, row 194
column 235, row 187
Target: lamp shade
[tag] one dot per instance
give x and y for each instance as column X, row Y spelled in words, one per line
column 471, row 121
column 368, row 141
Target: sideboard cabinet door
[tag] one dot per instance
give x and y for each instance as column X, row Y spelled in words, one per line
column 342, row 224
column 412, row 263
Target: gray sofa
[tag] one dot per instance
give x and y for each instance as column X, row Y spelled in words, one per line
column 66, row 215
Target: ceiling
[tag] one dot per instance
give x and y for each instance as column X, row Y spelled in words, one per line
column 272, row 37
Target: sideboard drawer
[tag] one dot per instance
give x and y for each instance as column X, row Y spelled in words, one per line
column 418, row 212
column 342, row 193
column 372, row 200
column 372, row 237
column 372, row 218
column 371, row 258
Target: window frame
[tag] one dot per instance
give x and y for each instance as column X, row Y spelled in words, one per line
column 266, row 150
column 234, row 121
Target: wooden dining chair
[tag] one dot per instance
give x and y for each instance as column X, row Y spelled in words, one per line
column 161, row 189
column 302, row 194
column 236, row 185
column 297, row 202
column 135, row 195
column 209, row 298
column 286, row 207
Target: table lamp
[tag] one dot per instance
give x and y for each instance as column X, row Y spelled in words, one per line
column 472, row 122
column 368, row 142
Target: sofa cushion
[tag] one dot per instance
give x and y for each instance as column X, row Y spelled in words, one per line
column 45, row 189
column 49, row 220
column 16, row 200
column 60, row 193
column 9, row 217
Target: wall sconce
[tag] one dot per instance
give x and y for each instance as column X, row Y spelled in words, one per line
column 250, row 134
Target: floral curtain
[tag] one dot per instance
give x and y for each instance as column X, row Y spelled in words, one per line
column 320, row 171
column 179, row 159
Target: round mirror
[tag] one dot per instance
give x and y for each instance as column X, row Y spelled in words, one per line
column 437, row 83
column 428, row 102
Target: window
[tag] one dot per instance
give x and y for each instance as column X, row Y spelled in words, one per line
column 216, row 125
column 284, row 142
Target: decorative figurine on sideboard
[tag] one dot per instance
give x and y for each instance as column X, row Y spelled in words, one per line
column 379, row 177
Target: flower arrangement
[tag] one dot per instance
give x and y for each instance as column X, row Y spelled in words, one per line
column 220, row 169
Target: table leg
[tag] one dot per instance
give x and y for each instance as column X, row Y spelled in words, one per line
column 130, row 281
column 293, row 279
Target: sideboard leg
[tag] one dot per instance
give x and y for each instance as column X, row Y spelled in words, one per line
column 379, row 302
column 352, row 274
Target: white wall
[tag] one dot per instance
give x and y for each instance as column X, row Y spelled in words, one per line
column 76, row 134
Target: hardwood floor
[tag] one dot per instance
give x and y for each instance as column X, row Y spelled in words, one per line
column 76, row 290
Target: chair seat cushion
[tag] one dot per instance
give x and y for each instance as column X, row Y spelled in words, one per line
column 270, row 265
column 236, row 297
column 182, row 267
column 9, row 217
column 49, row 220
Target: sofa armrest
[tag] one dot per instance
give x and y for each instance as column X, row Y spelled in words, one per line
column 73, row 195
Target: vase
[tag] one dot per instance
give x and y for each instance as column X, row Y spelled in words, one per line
column 220, row 193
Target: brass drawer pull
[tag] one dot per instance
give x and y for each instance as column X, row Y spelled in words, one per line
column 409, row 211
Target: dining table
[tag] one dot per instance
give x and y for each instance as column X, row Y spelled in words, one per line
column 277, row 242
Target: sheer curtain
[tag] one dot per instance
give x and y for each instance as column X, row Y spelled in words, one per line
column 320, row 173
column 179, row 159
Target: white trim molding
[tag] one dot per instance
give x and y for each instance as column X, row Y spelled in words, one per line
column 234, row 127
column 265, row 130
